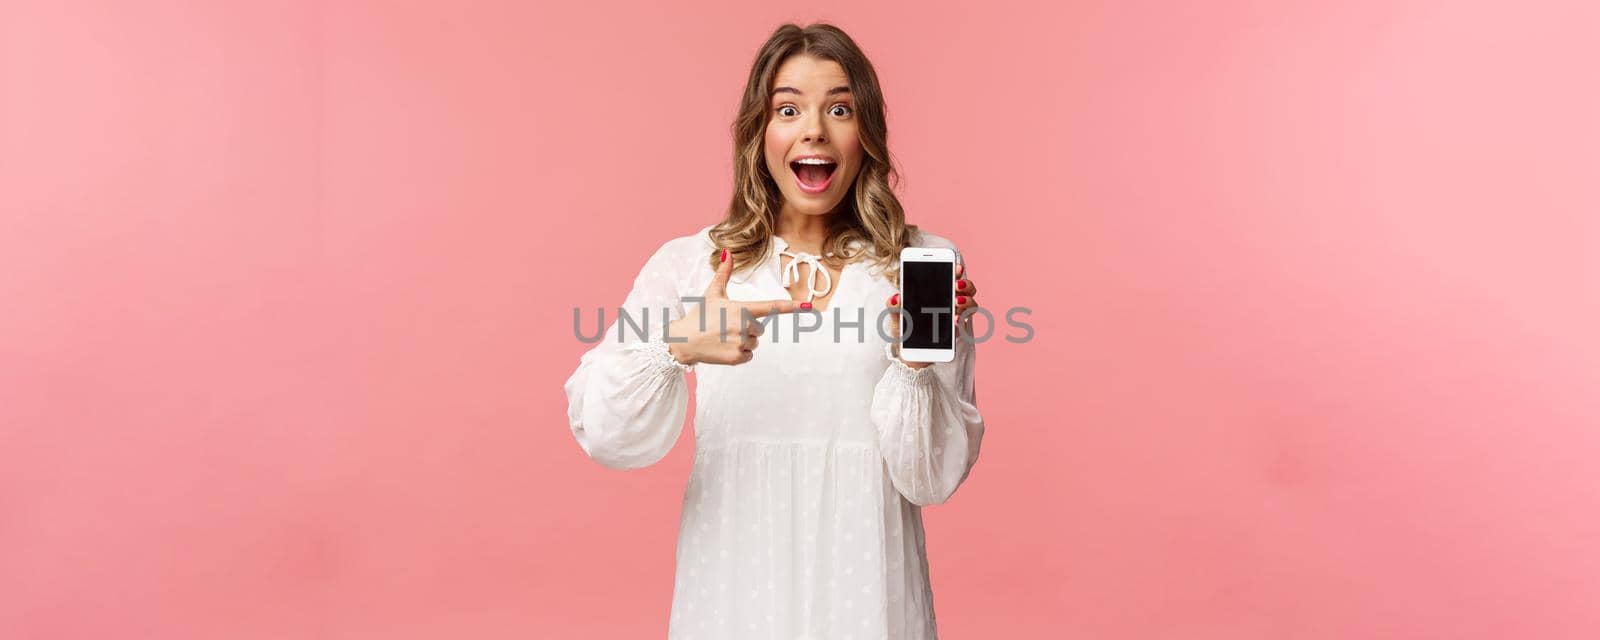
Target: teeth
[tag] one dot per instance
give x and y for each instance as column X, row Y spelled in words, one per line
column 813, row 161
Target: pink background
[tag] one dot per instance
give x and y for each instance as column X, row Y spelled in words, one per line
column 286, row 292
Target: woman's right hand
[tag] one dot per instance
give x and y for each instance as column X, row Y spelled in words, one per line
column 730, row 341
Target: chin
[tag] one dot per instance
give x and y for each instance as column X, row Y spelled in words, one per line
column 812, row 208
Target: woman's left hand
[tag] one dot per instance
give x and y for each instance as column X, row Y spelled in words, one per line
column 966, row 298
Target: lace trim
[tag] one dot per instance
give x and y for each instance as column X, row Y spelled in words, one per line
column 904, row 371
column 661, row 357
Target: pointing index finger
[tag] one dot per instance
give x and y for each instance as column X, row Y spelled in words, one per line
column 763, row 308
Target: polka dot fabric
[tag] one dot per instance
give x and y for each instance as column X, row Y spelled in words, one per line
column 802, row 515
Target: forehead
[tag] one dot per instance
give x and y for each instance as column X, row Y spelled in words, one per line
column 810, row 74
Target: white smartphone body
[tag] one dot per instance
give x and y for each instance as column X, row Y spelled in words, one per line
column 928, row 298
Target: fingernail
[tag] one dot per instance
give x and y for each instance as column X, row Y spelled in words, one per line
column 894, row 299
column 961, row 284
column 724, row 255
column 805, row 305
column 961, row 299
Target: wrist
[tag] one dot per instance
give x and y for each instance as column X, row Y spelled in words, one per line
column 680, row 352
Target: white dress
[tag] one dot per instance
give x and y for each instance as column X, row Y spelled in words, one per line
column 802, row 515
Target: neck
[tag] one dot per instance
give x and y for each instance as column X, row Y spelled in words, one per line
column 803, row 232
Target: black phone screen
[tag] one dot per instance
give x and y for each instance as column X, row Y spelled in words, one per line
column 928, row 291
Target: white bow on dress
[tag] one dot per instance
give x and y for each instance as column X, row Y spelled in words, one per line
column 791, row 273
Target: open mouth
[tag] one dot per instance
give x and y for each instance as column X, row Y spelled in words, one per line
column 813, row 173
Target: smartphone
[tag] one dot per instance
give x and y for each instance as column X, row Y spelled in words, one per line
column 928, row 297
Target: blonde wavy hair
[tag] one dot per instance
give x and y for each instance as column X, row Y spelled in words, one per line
column 870, row 212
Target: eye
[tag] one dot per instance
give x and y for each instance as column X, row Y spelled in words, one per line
column 839, row 111
column 788, row 110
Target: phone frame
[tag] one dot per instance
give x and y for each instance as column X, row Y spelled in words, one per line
column 928, row 254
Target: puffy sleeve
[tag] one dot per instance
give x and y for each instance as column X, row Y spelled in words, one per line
column 627, row 399
column 929, row 428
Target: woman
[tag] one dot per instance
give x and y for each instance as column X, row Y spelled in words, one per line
column 802, row 514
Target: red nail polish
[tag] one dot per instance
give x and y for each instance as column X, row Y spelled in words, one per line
column 805, row 305
column 894, row 299
column 961, row 284
column 724, row 255
column 961, row 299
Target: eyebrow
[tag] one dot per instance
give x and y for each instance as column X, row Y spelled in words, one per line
column 799, row 93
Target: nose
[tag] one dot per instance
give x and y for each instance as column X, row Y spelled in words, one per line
column 814, row 131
